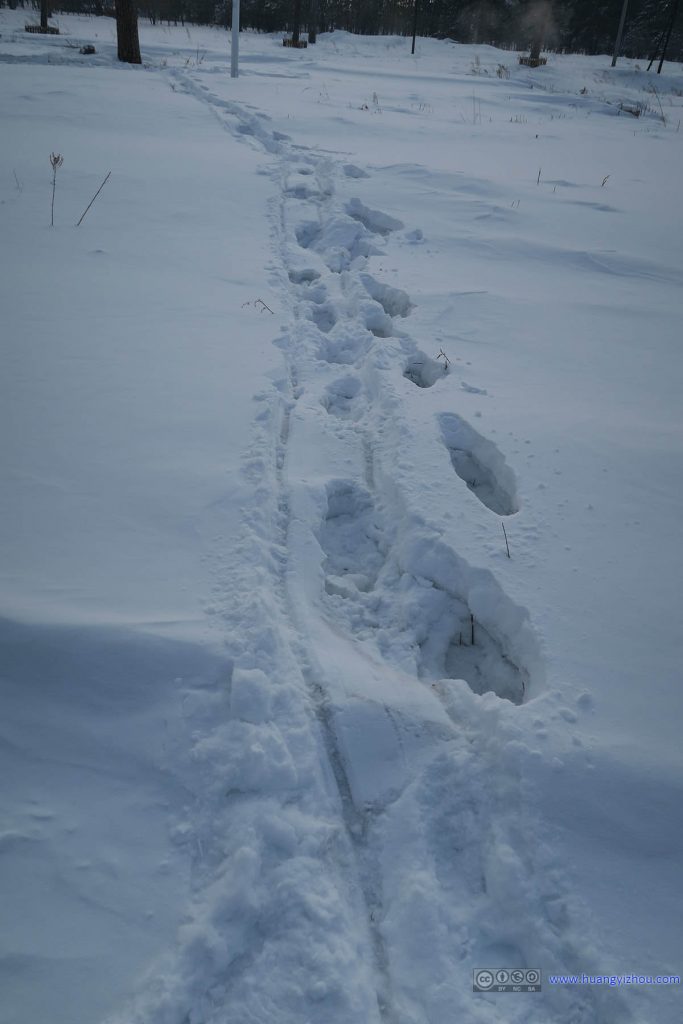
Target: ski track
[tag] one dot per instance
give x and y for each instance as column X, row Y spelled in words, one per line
column 396, row 595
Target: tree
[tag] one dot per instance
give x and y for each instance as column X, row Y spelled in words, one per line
column 579, row 26
column 127, row 32
column 296, row 25
column 538, row 22
column 667, row 35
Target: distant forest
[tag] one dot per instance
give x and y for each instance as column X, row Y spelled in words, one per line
column 576, row 26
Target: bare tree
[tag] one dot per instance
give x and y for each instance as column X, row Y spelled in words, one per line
column 127, row 32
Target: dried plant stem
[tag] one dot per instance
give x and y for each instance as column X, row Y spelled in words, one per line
column 94, row 198
column 506, row 539
column 56, row 161
column 661, row 109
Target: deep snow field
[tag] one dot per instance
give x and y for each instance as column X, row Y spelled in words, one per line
column 286, row 736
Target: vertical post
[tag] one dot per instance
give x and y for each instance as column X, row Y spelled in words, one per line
column 414, row 27
column 235, row 40
column 44, row 14
column 620, row 32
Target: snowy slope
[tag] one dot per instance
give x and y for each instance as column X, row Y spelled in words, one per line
column 328, row 328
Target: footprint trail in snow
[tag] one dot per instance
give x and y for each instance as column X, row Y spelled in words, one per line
column 399, row 662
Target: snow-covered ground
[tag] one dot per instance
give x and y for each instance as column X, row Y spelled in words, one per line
column 285, row 735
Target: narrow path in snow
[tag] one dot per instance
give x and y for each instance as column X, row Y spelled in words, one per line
column 323, row 315
column 370, row 571
column 384, row 621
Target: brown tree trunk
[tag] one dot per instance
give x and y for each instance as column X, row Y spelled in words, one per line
column 127, row 32
column 296, row 27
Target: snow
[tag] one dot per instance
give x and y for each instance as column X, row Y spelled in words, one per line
column 287, row 735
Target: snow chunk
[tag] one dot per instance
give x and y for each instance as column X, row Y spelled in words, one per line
column 351, row 171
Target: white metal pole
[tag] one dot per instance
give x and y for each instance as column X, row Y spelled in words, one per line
column 235, row 52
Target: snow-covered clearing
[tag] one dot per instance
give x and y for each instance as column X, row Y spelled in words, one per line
column 286, row 735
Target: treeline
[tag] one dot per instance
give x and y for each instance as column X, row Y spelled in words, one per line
column 576, row 26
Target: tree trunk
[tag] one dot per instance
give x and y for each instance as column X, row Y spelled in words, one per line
column 43, row 13
column 540, row 29
column 296, row 27
column 674, row 12
column 313, row 22
column 620, row 32
column 127, row 32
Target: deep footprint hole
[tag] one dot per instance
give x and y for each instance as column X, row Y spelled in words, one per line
column 455, row 646
column 482, row 664
column 394, row 301
column 323, row 316
column 303, row 275
column 423, row 371
column 307, row 233
column 341, row 395
column 376, row 320
column 350, row 539
column 480, row 464
column 374, row 220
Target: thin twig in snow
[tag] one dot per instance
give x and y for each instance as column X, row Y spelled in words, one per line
column 94, row 198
